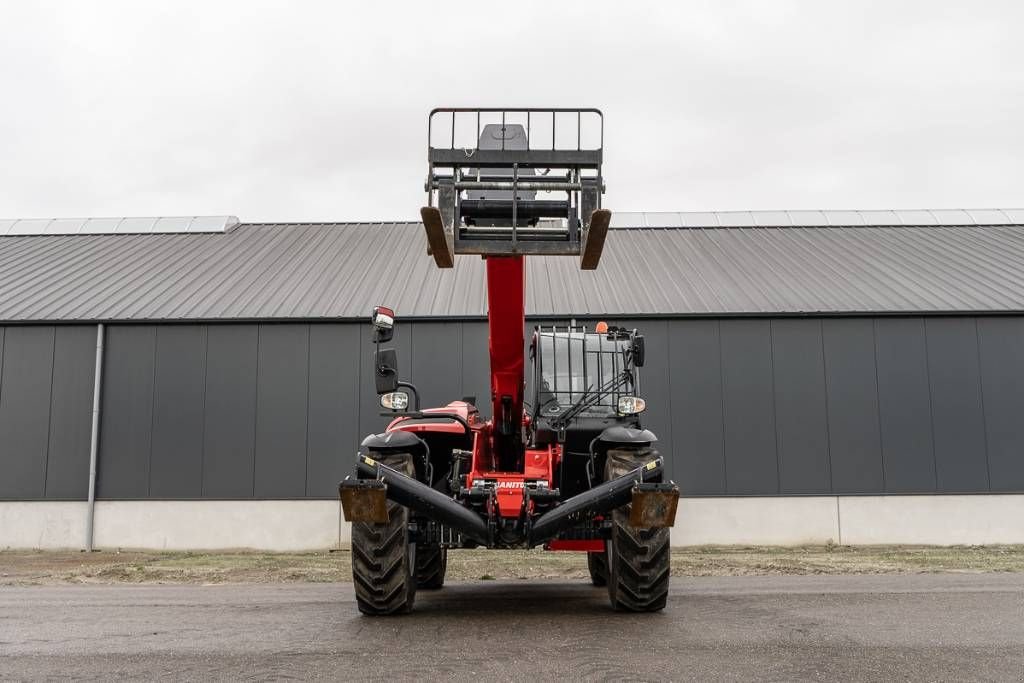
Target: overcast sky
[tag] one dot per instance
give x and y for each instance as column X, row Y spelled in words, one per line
column 309, row 111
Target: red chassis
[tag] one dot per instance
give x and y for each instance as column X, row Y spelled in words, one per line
column 499, row 454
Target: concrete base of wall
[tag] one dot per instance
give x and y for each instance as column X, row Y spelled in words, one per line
column 287, row 525
column 277, row 525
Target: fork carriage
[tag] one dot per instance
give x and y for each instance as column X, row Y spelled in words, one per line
column 483, row 198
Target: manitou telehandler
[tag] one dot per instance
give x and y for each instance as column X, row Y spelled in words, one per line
column 571, row 469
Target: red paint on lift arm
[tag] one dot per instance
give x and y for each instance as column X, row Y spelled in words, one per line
column 506, row 317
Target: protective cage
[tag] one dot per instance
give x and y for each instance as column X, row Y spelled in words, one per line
column 573, row 364
column 515, row 181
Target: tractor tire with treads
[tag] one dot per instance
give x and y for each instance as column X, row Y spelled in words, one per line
column 383, row 561
column 639, row 560
column 597, row 563
column 431, row 565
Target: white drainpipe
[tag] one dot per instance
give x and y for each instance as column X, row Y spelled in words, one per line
column 95, row 442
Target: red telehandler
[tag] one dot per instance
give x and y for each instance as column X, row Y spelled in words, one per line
column 572, row 469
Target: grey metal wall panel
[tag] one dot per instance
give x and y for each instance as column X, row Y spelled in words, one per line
column 904, row 405
column 172, row 404
column 25, row 410
column 855, row 448
column 74, row 359
column 176, row 463
column 333, row 407
column 1002, row 382
column 281, row 410
column 655, row 385
column 959, row 424
column 695, row 372
column 801, row 418
column 126, row 412
column 370, row 420
column 229, row 436
column 476, row 376
column 436, row 367
column 751, row 460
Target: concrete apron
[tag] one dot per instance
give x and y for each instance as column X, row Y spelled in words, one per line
column 293, row 525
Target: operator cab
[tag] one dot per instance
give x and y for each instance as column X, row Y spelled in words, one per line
column 584, row 382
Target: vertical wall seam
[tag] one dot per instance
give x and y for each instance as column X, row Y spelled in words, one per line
column 775, row 410
column 359, row 381
column 668, row 392
column 256, row 409
column 309, row 352
column 721, row 396
column 931, row 409
column 49, row 416
column 3, row 342
column 152, row 413
column 828, row 414
column 984, row 415
column 202, row 419
column 878, row 403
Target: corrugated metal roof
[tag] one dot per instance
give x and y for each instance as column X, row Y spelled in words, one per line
column 814, row 218
column 341, row 270
column 119, row 226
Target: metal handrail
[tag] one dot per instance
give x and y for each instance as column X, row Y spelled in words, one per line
column 529, row 111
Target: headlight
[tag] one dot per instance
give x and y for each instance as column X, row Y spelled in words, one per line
column 395, row 400
column 631, row 405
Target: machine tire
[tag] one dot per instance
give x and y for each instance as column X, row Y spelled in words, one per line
column 639, row 560
column 383, row 560
column 597, row 563
column 431, row 565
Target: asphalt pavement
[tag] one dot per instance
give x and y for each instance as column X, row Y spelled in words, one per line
column 906, row 627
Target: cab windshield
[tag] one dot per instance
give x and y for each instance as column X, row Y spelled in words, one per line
column 571, row 363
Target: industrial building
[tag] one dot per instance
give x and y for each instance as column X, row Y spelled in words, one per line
column 853, row 376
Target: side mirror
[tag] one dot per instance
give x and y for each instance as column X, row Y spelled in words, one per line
column 383, row 320
column 397, row 401
column 638, row 350
column 385, row 365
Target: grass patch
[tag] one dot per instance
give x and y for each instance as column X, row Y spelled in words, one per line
column 45, row 567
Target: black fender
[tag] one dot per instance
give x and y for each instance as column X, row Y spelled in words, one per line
column 396, row 441
column 621, row 435
column 617, row 437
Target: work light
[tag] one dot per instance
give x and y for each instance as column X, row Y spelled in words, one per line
column 631, row 405
column 395, row 400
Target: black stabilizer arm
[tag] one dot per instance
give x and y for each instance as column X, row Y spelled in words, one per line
column 425, row 500
column 600, row 499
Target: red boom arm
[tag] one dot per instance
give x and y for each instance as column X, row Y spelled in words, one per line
column 506, row 318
